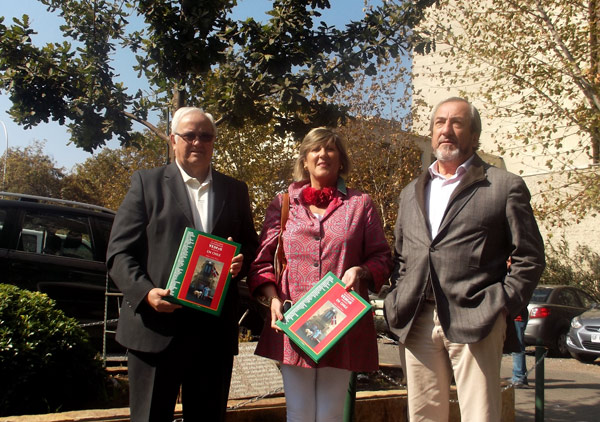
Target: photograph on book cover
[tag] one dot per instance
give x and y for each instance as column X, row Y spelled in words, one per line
column 204, row 280
column 323, row 322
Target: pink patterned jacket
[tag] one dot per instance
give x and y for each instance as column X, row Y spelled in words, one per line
column 348, row 234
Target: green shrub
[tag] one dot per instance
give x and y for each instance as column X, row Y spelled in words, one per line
column 580, row 267
column 46, row 361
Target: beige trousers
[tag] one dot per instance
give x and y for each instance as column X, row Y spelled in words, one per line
column 431, row 360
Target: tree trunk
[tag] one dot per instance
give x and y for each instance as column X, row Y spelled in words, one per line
column 594, row 14
column 179, row 99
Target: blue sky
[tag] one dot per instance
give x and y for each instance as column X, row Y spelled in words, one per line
column 47, row 26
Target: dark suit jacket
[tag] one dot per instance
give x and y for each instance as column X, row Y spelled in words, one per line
column 143, row 244
column 488, row 219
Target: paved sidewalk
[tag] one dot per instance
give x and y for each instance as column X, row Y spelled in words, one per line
column 571, row 388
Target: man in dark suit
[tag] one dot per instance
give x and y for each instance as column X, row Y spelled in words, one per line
column 170, row 346
column 457, row 225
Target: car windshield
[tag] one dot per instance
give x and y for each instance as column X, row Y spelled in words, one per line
column 540, row 295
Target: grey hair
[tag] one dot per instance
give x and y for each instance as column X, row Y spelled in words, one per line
column 475, row 117
column 184, row 111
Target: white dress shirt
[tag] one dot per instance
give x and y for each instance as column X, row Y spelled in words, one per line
column 199, row 194
column 438, row 193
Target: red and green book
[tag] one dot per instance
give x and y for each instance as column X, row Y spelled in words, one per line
column 323, row 316
column 200, row 274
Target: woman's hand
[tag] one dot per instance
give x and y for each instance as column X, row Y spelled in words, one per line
column 353, row 276
column 269, row 293
column 276, row 312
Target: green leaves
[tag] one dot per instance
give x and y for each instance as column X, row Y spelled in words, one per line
column 46, row 361
column 68, row 82
column 259, row 72
column 32, row 172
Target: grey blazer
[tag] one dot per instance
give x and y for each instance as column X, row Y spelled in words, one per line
column 488, row 219
column 143, row 244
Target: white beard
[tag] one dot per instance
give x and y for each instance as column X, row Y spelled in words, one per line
column 447, row 153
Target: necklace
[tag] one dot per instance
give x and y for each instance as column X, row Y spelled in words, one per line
column 318, row 197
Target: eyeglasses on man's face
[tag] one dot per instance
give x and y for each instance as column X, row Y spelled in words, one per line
column 190, row 137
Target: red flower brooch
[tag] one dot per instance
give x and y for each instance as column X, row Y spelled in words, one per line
column 318, row 197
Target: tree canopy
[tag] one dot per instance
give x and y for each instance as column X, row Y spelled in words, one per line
column 262, row 73
column 101, row 180
column 104, row 178
column 29, row 170
column 535, row 66
column 384, row 156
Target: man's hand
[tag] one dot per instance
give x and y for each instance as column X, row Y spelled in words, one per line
column 154, row 298
column 236, row 262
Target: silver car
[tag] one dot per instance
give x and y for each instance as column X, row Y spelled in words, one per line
column 583, row 341
column 551, row 309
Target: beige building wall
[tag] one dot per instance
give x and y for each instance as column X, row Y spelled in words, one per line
column 528, row 161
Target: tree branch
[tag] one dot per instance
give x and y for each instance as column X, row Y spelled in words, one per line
column 149, row 125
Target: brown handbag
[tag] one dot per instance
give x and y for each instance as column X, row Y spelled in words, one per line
column 280, row 262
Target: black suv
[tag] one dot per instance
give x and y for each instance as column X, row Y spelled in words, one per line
column 58, row 247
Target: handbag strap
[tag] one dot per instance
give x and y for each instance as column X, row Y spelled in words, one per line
column 285, row 209
column 279, row 260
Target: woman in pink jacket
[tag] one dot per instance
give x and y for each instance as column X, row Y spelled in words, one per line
column 329, row 228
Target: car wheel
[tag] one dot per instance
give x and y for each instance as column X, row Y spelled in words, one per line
column 561, row 349
column 583, row 358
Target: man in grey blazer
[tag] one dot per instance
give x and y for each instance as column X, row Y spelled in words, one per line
column 170, row 346
column 457, row 225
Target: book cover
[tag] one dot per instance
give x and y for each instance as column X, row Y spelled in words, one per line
column 322, row 316
column 200, row 275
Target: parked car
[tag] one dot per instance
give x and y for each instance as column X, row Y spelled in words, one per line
column 551, row 309
column 583, row 340
column 58, row 247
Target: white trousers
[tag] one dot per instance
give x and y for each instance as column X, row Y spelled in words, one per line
column 315, row 394
column 432, row 359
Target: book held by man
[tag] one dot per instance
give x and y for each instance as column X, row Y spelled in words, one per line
column 200, row 275
column 323, row 316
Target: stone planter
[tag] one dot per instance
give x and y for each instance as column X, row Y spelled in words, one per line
column 371, row 406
